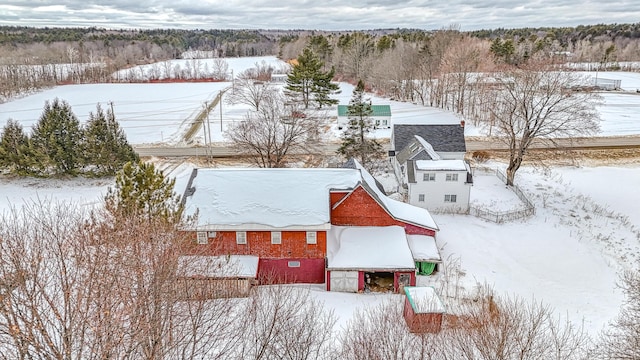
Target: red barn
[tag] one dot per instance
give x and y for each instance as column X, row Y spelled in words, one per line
column 285, row 217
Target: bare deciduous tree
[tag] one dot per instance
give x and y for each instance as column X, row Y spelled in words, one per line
column 622, row 340
column 284, row 322
column 536, row 103
column 271, row 134
column 78, row 289
column 248, row 90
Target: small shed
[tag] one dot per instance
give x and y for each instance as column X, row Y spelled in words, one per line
column 425, row 253
column 212, row 277
column 423, row 309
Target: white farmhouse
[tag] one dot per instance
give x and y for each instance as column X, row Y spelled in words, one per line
column 432, row 173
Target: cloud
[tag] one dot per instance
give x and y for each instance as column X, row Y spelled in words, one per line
column 321, row 15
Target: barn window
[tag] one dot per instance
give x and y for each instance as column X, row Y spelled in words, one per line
column 312, row 237
column 202, row 238
column 276, row 237
column 294, row 264
column 212, row 234
column 241, row 237
column 421, row 197
column 429, row 177
column 452, row 177
column 450, row 198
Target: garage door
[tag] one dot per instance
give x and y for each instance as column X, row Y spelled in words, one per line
column 345, row 281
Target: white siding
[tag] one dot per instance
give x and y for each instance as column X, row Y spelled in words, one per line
column 435, row 191
column 344, row 281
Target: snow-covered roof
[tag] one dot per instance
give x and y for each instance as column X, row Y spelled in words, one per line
column 256, row 199
column 368, row 247
column 424, row 299
column 428, row 148
column 451, row 165
column 424, row 248
column 218, row 266
column 398, row 209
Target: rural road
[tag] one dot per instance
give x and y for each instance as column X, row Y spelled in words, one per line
column 473, row 144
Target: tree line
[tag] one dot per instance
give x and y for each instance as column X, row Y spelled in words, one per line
column 58, row 145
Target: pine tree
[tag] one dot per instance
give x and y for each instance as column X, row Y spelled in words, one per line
column 142, row 191
column 308, row 84
column 16, row 154
column 57, row 139
column 355, row 140
column 106, row 144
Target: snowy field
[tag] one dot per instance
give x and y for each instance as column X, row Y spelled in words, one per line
column 153, row 114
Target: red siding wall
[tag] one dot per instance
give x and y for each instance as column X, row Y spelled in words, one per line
column 360, row 209
column 294, row 245
column 396, row 277
column 278, row 271
column 421, row 323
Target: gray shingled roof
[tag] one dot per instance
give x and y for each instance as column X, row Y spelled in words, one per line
column 443, row 138
column 351, row 164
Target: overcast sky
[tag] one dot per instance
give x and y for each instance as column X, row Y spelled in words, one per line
column 317, row 15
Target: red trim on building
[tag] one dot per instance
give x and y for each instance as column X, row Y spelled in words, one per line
column 360, row 281
column 328, row 280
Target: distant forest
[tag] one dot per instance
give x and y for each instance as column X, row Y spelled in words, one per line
column 390, row 61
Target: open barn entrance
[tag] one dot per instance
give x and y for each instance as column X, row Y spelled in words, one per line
column 378, row 282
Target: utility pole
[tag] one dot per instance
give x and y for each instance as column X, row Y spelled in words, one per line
column 220, row 104
column 204, row 128
column 206, row 107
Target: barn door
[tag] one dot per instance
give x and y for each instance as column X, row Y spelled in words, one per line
column 345, row 281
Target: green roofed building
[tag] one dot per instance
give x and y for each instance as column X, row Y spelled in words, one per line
column 381, row 116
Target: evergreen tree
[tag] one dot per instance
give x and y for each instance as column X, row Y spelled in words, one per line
column 106, row 144
column 57, row 138
column 308, row 84
column 355, row 140
column 142, row 191
column 15, row 151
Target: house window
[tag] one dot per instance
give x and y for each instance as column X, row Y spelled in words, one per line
column 385, row 122
column 311, row 237
column 421, row 197
column 450, row 198
column 452, row 177
column 276, row 237
column 429, row 177
column 294, row 264
column 202, row 238
column 241, row 237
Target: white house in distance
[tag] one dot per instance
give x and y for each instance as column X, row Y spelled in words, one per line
column 381, row 116
column 430, row 166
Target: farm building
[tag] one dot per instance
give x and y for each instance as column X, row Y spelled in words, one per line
column 210, row 277
column 289, row 218
column 368, row 259
column 381, row 116
column 423, row 310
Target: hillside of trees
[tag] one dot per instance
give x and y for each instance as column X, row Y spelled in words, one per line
column 400, row 63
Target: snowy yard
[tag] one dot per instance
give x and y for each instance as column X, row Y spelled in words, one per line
column 568, row 255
